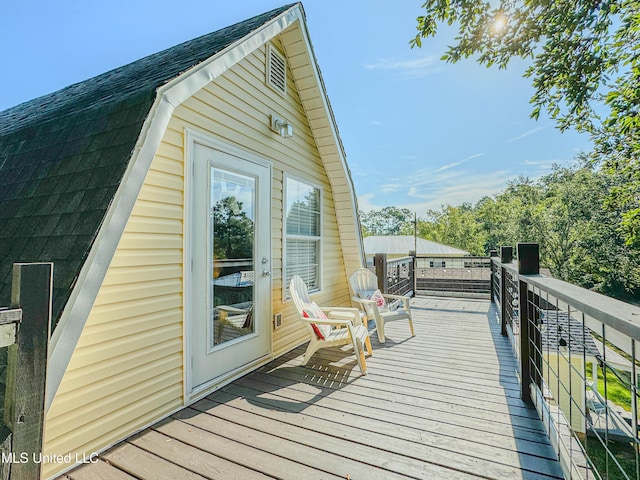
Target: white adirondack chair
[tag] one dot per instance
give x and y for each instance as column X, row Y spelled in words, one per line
column 342, row 325
column 364, row 284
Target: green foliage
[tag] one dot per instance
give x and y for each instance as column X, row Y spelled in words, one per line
column 580, row 240
column 387, row 221
column 234, row 230
column 602, row 459
column 453, row 226
column 585, row 71
column 618, row 386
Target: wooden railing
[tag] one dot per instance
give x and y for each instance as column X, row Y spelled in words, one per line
column 577, row 363
column 24, row 332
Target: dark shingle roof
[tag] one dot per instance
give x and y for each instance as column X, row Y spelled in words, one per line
column 559, row 326
column 63, row 156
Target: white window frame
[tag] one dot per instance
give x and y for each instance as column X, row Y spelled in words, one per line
column 285, row 236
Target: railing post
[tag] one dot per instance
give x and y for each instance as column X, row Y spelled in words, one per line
column 27, row 366
column 506, row 254
column 492, row 253
column 528, row 264
column 503, row 298
column 412, row 271
column 381, row 271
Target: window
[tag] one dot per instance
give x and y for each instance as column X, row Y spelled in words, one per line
column 276, row 70
column 302, row 233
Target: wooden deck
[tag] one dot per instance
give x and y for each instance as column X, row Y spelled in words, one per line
column 441, row 405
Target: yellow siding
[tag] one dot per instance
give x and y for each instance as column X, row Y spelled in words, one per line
column 556, row 368
column 127, row 369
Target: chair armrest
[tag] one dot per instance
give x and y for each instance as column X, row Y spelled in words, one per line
column 395, row 297
column 230, row 309
column 339, row 309
column 364, row 301
column 402, row 298
column 328, row 321
column 352, row 314
column 369, row 306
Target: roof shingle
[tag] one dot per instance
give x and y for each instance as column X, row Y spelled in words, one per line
column 63, row 156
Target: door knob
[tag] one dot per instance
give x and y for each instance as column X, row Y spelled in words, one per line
column 266, row 273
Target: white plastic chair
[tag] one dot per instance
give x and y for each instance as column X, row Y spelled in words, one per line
column 345, row 325
column 364, row 284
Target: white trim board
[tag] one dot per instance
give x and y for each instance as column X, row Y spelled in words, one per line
column 94, row 270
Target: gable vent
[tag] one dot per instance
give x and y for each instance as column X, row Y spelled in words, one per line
column 276, row 70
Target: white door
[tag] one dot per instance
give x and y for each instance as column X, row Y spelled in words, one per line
column 230, row 297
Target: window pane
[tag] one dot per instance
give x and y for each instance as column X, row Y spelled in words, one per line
column 302, row 209
column 303, row 232
column 303, row 259
column 232, row 216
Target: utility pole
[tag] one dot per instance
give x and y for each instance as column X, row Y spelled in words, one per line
column 415, row 232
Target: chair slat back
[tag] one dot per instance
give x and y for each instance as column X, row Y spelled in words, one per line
column 299, row 294
column 363, row 281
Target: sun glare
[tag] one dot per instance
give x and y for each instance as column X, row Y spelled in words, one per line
column 499, row 24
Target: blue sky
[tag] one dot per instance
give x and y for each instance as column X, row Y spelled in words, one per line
column 418, row 132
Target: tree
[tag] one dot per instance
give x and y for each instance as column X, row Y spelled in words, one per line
column 454, row 226
column 233, row 230
column 386, row 221
column 563, row 212
column 509, row 218
column 585, row 71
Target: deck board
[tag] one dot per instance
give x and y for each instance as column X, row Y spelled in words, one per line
column 441, row 405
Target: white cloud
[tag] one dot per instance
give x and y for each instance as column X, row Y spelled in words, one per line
column 455, row 164
column 526, row 134
column 539, row 163
column 430, row 188
column 447, row 167
column 377, row 123
column 471, row 157
column 366, row 204
column 427, row 189
column 390, row 187
column 415, row 68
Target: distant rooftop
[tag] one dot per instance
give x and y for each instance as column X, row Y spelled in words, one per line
column 559, row 326
column 402, row 244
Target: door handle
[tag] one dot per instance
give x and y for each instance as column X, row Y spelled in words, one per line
column 266, row 273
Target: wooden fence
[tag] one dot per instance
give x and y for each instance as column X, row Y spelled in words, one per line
column 25, row 329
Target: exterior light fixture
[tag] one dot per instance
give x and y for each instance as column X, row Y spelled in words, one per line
column 563, row 346
column 281, row 127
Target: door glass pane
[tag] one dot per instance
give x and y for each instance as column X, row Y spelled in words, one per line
column 232, row 211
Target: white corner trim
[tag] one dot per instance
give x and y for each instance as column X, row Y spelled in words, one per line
column 196, row 78
column 67, row 333
column 334, row 131
column 74, row 316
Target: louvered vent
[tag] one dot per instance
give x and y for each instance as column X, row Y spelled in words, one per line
column 276, row 70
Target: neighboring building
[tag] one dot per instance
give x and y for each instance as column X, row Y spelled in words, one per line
column 572, row 387
column 401, row 245
column 171, row 193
